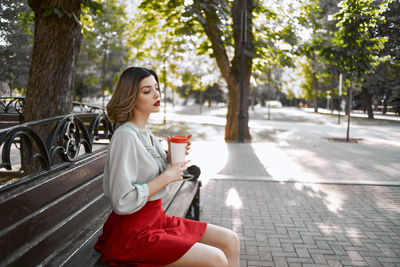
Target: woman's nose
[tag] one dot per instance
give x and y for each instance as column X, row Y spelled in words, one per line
column 157, row 94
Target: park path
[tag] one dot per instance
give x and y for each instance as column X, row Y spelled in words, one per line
column 294, row 197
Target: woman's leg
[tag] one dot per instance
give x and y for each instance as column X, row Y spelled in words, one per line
column 202, row 255
column 224, row 239
column 219, row 247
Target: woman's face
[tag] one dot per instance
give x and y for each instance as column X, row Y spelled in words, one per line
column 148, row 100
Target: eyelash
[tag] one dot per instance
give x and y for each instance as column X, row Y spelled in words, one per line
column 148, row 91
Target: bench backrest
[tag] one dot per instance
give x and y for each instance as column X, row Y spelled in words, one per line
column 9, row 119
column 40, row 216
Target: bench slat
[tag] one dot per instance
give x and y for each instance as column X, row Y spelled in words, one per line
column 35, row 253
column 181, row 203
column 47, row 217
column 18, row 205
column 173, row 190
column 76, row 253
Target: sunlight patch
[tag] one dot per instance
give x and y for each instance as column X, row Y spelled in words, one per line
column 331, row 198
column 233, row 199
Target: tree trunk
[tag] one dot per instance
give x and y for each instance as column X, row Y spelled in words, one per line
column 349, row 94
column 10, row 84
column 231, row 127
column 367, row 102
column 347, row 102
column 52, row 73
column 55, row 51
column 315, row 90
column 102, row 88
column 231, row 70
column 253, row 99
column 384, row 105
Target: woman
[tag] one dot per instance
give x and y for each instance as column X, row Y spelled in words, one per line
column 136, row 177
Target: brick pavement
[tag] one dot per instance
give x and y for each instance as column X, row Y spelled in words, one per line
column 300, row 224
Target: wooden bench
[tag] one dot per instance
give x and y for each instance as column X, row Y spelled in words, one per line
column 53, row 216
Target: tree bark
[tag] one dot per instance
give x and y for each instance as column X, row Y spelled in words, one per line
column 315, row 90
column 52, row 73
column 367, row 102
column 384, row 105
column 231, row 70
column 55, row 51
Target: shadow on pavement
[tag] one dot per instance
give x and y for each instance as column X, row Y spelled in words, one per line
column 242, row 161
column 280, row 224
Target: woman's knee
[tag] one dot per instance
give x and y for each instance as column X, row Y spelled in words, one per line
column 234, row 242
column 219, row 259
column 230, row 241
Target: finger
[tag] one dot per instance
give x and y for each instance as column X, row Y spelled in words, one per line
column 189, row 136
column 183, row 164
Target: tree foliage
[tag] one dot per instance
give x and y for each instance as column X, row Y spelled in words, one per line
column 316, row 17
column 104, row 50
column 390, row 28
column 354, row 49
column 216, row 27
column 15, row 43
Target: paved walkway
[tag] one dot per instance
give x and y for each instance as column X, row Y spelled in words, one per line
column 295, row 224
column 294, row 197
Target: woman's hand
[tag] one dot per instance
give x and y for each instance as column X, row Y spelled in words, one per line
column 174, row 172
column 171, row 174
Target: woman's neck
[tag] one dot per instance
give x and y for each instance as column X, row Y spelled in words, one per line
column 140, row 120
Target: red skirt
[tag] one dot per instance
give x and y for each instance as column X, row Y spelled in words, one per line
column 147, row 237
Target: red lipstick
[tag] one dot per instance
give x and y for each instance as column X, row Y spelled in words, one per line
column 157, row 104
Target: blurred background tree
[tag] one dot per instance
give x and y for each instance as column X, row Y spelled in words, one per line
column 194, row 45
column 104, row 53
column 16, row 25
column 215, row 26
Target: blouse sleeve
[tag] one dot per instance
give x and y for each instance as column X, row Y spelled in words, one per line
column 126, row 196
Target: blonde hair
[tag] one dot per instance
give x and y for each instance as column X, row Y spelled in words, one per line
column 120, row 107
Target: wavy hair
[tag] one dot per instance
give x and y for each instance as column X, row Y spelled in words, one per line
column 120, row 107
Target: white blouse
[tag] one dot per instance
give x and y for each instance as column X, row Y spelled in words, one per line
column 132, row 161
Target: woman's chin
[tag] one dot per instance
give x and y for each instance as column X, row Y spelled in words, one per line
column 156, row 110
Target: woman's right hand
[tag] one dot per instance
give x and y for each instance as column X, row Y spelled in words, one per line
column 171, row 174
column 174, row 172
